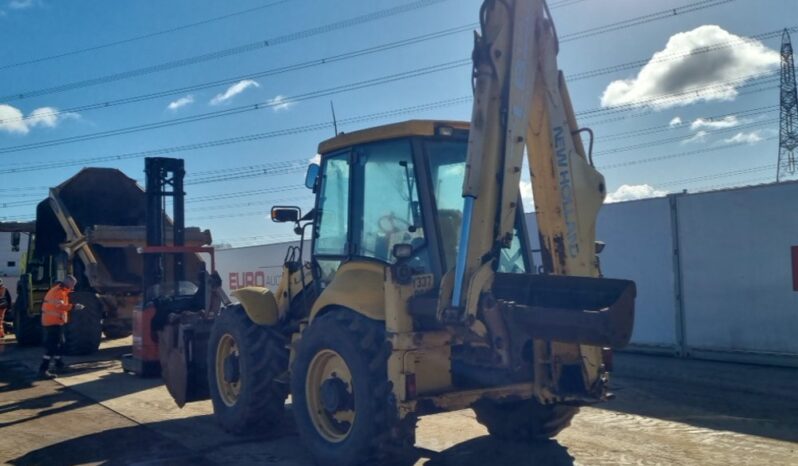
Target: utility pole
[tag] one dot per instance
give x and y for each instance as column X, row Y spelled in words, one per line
column 788, row 123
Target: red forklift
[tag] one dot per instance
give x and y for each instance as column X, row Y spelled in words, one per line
column 176, row 282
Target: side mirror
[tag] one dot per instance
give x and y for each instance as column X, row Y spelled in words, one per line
column 311, row 175
column 283, row 214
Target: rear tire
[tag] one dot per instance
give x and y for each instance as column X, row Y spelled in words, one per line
column 244, row 362
column 27, row 329
column 523, row 420
column 342, row 400
column 83, row 331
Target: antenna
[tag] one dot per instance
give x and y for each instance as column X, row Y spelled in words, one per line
column 335, row 122
column 788, row 122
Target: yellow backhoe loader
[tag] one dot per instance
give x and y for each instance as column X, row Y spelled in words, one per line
column 419, row 294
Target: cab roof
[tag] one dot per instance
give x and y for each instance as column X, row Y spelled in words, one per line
column 391, row 131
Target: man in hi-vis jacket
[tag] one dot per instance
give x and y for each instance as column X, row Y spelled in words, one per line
column 55, row 314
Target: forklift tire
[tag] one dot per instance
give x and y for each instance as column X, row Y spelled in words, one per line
column 112, row 332
column 245, row 364
column 342, row 401
column 83, row 331
column 27, row 329
column 523, row 420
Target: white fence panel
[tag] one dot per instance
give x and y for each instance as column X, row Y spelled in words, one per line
column 736, row 269
column 639, row 248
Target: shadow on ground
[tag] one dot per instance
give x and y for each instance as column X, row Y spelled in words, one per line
column 127, row 445
column 748, row 399
column 142, row 445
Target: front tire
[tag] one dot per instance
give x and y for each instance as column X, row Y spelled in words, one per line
column 117, row 330
column 245, row 361
column 523, row 420
column 83, row 331
column 342, row 400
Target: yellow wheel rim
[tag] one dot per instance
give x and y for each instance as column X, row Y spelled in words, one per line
column 328, row 369
column 227, row 349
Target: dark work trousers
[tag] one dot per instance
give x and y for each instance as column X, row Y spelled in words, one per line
column 53, row 341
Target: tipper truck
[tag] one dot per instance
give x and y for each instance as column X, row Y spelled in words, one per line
column 90, row 226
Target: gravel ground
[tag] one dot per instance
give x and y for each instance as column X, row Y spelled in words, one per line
column 667, row 411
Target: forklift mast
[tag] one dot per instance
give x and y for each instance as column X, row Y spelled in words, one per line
column 164, row 178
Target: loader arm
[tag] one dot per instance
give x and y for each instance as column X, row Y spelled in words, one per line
column 521, row 102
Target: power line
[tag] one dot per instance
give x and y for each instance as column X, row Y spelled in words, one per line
column 140, row 37
column 235, row 140
column 258, row 75
column 331, row 27
column 563, row 3
column 661, row 99
column 261, row 44
column 677, row 155
column 208, row 144
column 664, row 14
column 670, row 140
column 638, row 112
column 241, row 109
column 362, row 52
column 666, row 128
column 339, row 89
column 736, row 184
column 726, row 174
column 663, row 58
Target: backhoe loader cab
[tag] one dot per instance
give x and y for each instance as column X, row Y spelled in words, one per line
column 391, row 195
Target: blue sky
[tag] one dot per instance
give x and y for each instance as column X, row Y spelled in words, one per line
column 631, row 119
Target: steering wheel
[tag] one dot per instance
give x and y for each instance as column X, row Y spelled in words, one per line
column 388, row 223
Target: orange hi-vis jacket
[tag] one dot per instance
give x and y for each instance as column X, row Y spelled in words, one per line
column 4, row 304
column 56, row 307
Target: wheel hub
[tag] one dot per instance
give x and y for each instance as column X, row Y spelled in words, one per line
column 330, row 395
column 334, row 395
column 232, row 372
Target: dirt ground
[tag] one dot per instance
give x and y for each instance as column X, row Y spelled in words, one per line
column 667, row 411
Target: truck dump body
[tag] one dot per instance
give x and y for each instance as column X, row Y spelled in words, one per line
column 106, row 206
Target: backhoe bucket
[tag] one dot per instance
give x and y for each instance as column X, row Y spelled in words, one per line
column 584, row 310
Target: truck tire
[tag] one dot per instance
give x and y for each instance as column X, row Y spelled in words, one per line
column 523, row 420
column 27, row 329
column 342, row 401
column 117, row 330
column 245, row 364
column 83, row 331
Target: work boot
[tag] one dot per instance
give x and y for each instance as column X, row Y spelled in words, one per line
column 60, row 367
column 44, row 370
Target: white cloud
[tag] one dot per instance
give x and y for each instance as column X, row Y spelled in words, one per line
column 677, row 121
column 630, row 192
column 747, row 138
column 279, row 103
column 315, row 159
column 12, row 120
column 694, row 66
column 726, row 122
column 526, row 195
column 181, row 102
column 700, row 136
column 22, row 4
column 233, row 91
